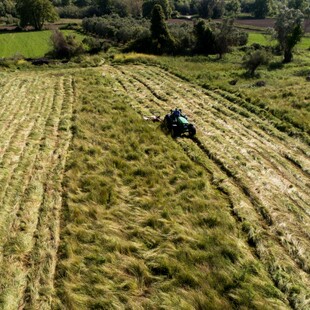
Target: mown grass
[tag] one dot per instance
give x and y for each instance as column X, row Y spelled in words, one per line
column 36, row 112
column 29, row 44
column 285, row 96
column 143, row 227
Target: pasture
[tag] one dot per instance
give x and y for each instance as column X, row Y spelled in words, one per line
column 32, row 44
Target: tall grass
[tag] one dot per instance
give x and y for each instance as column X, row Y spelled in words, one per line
column 143, row 226
column 227, row 144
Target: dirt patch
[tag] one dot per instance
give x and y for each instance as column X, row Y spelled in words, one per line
column 266, row 23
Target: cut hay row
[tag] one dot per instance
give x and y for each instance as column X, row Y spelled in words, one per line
column 32, row 160
column 257, row 164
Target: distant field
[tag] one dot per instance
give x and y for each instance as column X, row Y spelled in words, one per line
column 256, row 37
column 266, row 23
column 28, row 44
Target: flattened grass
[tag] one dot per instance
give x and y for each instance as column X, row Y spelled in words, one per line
column 143, row 226
column 285, row 94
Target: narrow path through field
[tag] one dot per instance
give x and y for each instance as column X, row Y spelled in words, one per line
column 264, row 172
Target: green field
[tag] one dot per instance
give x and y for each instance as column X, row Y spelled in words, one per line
column 256, row 37
column 103, row 209
column 29, row 44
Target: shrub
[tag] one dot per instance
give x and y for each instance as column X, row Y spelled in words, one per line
column 94, row 45
column 72, row 11
column 253, row 60
column 115, row 28
column 65, row 47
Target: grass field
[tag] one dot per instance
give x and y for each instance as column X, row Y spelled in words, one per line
column 36, row 111
column 112, row 213
column 103, row 210
column 256, row 37
column 29, row 44
column 284, row 99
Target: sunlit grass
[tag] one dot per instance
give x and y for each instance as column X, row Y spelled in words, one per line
column 285, row 93
column 143, row 226
column 29, row 44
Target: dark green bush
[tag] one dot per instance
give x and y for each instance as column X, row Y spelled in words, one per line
column 115, row 28
column 64, row 47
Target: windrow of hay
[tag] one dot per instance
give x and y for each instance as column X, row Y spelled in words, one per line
column 35, row 118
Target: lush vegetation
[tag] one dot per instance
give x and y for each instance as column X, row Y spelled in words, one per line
column 138, row 8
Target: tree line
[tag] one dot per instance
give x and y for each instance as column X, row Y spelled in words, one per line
column 142, row 8
column 203, row 37
column 153, row 35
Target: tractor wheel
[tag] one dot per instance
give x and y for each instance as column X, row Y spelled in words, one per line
column 167, row 121
column 174, row 132
column 191, row 130
column 166, row 124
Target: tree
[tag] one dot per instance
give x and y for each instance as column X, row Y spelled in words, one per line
column 182, row 6
column 35, row 12
column 226, row 36
column 7, row 7
column 134, row 7
column 297, row 4
column 254, row 59
column 261, row 8
column 148, row 6
column 307, row 12
column 161, row 38
column 288, row 31
column 217, row 38
column 205, row 39
column 107, row 7
column 211, row 8
column 232, row 8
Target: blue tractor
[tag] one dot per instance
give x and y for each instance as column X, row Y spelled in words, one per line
column 177, row 124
